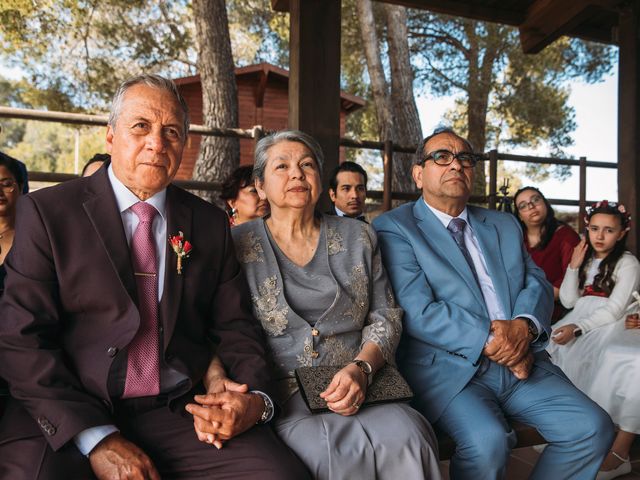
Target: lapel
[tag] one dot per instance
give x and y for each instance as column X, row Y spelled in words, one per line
column 179, row 218
column 440, row 240
column 487, row 234
column 102, row 209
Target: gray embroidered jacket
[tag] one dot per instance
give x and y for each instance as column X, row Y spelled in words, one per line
column 364, row 308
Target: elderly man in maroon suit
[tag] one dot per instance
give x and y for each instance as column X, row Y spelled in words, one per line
column 109, row 330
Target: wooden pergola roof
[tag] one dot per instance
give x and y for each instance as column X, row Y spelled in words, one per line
column 315, row 63
column 540, row 21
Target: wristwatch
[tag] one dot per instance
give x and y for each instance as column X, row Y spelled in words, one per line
column 533, row 330
column 577, row 332
column 366, row 368
column 267, row 413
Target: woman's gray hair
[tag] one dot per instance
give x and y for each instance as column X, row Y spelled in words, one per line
column 155, row 81
column 265, row 143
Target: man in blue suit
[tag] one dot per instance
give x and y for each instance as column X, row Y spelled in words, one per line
column 476, row 323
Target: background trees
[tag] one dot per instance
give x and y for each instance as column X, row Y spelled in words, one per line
column 75, row 52
column 508, row 99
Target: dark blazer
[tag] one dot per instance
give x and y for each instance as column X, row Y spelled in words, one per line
column 69, row 307
column 332, row 211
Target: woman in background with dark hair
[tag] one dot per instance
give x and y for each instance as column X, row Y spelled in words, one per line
column 12, row 178
column 241, row 198
column 11, row 184
column 94, row 164
column 549, row 241
column 592, row 344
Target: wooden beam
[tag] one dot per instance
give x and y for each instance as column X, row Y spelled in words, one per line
column 261, row 87
column 547, row 20
column 280, row 5
column 629, row 119
column 592, row 34
column 461, row 8
column 516, row 16
column 314, row 77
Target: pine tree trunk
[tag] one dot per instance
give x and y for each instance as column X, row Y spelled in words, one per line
column 218, row 156
column 406, row 121
column 478, row 90
column 477, row 124
column 379, row 86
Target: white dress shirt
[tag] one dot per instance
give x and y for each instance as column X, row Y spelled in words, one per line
column 491, row 299
column 89, row 438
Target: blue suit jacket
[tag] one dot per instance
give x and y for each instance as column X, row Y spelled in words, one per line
column 446, row 323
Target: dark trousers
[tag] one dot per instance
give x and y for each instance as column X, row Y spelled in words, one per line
column 168, row 438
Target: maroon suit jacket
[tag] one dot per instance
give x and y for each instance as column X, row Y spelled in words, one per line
column 69, row 306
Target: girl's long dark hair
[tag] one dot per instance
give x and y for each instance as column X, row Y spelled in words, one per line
column 550, row 224
column 603, row 281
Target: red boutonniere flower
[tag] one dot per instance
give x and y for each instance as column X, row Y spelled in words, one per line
column 181, row 247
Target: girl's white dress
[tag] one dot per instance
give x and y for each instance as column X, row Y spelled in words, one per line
column 605, row 361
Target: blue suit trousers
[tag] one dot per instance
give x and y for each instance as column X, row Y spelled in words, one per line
column 579, row 432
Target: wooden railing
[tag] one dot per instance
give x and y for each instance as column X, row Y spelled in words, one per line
column 387, row 148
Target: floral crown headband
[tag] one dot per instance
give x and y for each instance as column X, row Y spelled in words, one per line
column 612, row 206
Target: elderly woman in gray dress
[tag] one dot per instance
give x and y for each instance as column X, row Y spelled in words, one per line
column 322, row 296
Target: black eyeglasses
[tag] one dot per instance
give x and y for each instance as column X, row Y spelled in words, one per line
column 445, row 157
column 533, row 201
column 8, row 185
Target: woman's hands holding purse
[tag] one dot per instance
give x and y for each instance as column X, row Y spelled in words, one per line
column 347, row 390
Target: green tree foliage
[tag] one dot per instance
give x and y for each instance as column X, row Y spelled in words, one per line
column 508, row 98
column 75, row 52
column 50, row 147
column 43, row 146
column 258, row 33
column 11, row 131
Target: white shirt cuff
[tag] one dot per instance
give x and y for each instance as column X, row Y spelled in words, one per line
column 87, row 439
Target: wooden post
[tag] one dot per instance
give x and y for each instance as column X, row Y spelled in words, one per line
column 582, row 199
column 493, row 179
column 629, row 119
column 314, row 77
column 257, row 133
column 387, row 168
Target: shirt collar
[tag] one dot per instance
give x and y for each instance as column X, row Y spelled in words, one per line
column 340, row 213
column 446, row 218
column 126, row 199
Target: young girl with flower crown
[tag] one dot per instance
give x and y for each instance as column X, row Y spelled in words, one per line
column 593, row 344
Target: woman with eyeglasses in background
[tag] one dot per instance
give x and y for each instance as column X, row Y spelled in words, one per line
column 549, row 241
column 11, row 182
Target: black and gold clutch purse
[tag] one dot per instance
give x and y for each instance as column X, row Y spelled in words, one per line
column 388, row 386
